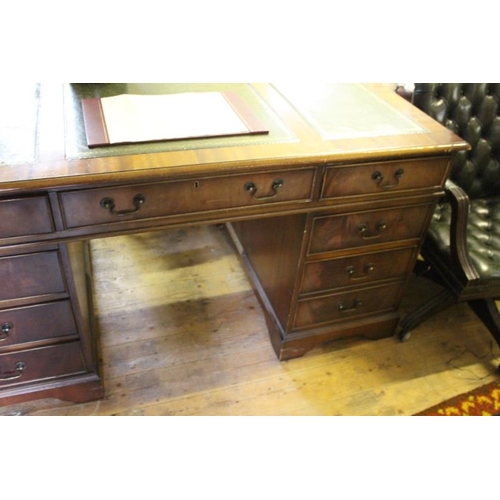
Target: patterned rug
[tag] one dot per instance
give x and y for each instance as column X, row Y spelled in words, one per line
column 483, row 401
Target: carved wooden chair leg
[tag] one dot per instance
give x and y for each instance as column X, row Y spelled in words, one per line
column 487, row 311
column 438, row 303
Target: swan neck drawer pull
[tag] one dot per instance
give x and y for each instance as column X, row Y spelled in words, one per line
column 17, row 373
column 365, row 233
column 379, row 178
column 5, row 330
column 351, row 271
column 252, row 188
column 109, row 204
column 355, row 305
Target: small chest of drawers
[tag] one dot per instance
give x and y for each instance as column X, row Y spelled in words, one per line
column 357, row 264
column 40, row 342
column 357, row 250
column 359, row 258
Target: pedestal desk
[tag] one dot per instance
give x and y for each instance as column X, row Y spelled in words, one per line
column 327, row 211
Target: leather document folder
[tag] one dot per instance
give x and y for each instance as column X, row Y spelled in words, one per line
column 132, row 118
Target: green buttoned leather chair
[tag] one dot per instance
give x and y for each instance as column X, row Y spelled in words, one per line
column 462, row 248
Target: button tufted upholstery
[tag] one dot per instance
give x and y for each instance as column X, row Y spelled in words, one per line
column 483, row 234
column 462, row 248
column 472, row 111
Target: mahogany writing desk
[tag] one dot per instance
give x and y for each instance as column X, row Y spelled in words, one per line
column 327, row 211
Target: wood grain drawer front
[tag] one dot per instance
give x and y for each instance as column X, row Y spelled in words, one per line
column 357, row 270
column 336, row 232
column 36, row 323
column 25, row 216
column 381, row 178
column 347, row 306
column 30, row 275
column 101, row 206
column 41, row 364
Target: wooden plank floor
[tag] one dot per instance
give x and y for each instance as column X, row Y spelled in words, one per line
column 182, row 333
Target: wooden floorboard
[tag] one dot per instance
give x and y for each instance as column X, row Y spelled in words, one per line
column 182, row 333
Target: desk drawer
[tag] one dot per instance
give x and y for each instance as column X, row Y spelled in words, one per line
column 30, row 275
column 101, row 206
column 336, row 232
column 347, row 306
column 384, row 177
column 25, row 216
column 35, row 323
column 41, row 364
column 360, row 269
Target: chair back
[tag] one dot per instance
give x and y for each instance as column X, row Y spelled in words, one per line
column 472, row 111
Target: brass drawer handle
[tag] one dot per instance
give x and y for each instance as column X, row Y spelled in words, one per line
column 355, row 305
column 109, row 204
column 18, row 373
column 365, row 234
column 378, row 178
column 252, row 188
column 351, row 271
column 5, row 330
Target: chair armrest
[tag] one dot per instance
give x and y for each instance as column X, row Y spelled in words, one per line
column 460, row 209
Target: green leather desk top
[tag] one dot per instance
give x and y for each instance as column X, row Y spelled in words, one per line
column 43, row 142
column 337, row 110
column 18, row 122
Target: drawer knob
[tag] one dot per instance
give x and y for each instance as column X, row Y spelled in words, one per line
column 345, row 309
column 109, row 204
column 17, row 373
column 379, row 179
column 365, row 233
column 252, row 188
column 5, row 330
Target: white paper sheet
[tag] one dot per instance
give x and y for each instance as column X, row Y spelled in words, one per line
column 140, row 118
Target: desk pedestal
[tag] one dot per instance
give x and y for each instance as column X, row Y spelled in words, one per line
column 48, row 347
column 348, row 287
